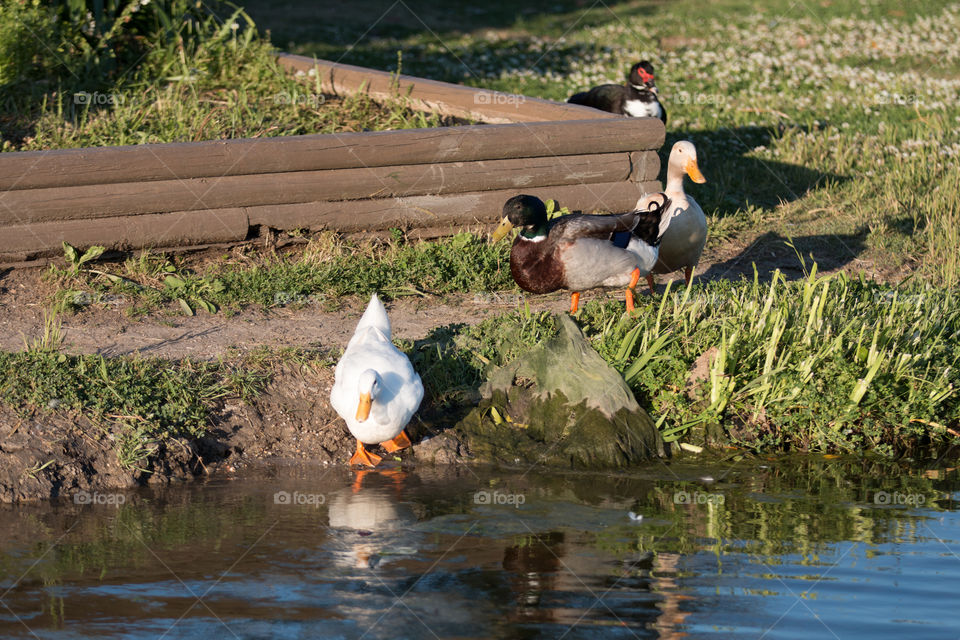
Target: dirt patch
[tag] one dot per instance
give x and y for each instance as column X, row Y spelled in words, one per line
column 52, row 454
column 700, row 372
column 106, row 330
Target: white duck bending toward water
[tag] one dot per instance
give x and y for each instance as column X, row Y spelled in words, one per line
column 683, row 241
column 375, row 390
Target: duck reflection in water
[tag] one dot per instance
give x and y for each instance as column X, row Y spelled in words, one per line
column 372, row 522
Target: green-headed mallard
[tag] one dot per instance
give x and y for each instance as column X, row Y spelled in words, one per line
column 375, row 389
column 578, row 252
column 683, row 242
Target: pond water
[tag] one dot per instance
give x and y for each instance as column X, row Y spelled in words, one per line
column 779, row 548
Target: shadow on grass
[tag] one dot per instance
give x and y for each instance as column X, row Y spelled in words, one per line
column 451, row 379
column 345, row 29
column 736, row 181
column 773, row 251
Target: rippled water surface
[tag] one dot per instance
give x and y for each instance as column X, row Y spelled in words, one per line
column 782, row 548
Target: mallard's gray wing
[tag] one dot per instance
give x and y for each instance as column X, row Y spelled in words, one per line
column 573, row 227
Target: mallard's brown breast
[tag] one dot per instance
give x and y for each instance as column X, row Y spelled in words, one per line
column 535, row 267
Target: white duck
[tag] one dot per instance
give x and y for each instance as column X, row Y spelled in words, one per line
column 683, row 241
column 375, row 390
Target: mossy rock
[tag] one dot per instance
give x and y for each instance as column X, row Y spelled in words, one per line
column 560, row 404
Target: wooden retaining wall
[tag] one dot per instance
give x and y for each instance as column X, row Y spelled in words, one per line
column 183, row 194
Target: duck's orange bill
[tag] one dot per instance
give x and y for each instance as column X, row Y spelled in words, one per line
column 363, row 409
column 502, row 230
column 694, row 171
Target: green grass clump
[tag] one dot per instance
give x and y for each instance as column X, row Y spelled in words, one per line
column 169, row 71
column 328, row 268
column 140, row 401
column 827, row 363
column 823, row 364
column 25, row 28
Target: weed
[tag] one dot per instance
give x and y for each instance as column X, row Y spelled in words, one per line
column 141, row 401
column 829, row 363
column 328, row 268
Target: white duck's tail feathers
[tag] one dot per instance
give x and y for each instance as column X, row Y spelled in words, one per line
column 375, row 317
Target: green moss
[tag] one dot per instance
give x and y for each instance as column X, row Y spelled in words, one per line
column 560, row 404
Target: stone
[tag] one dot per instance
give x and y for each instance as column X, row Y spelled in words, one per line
column 560, row 404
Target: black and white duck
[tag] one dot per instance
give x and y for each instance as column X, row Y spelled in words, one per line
column 638, row 98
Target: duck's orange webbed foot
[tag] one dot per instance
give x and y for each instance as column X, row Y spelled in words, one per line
column 364, row 457
column 400, row 442
column 574, row 302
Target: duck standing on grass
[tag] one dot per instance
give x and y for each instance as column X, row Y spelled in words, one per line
column 683, row 242
column 637, row 99
column 375, row 389
column 578, row 252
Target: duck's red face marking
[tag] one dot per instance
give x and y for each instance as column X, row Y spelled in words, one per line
column 644, row 76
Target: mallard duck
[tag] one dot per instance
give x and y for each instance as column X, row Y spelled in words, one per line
column 683, row 242
column 578, row 252
column 637, row 99
column 375, row 390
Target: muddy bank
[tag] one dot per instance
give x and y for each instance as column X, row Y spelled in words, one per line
column 58, row 454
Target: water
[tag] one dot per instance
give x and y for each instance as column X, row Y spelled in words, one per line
column 781, row 548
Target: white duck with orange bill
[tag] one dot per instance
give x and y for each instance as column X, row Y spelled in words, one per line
column 376, row 390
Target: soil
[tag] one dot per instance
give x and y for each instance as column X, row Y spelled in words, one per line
column 59, row 454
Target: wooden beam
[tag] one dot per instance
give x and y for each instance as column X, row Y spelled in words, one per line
column 440, row 97
column 26, row 241
column 218, row 158
column 454, row 210
column 646, row 166
column 101, row 201
column 30, row 241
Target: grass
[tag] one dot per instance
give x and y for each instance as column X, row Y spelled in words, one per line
column 835, row 127
column 828, row 363
column 138, row 402
column 326, row 269
column 209, row 82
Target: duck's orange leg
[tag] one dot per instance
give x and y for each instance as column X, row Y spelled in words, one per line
column 688, row 273
column 400, row 442
column 634, row 279
column 358, row 479
column 362, row 456
column 651, row 283
column 574, row 302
